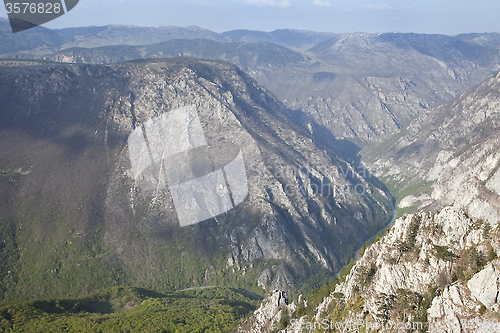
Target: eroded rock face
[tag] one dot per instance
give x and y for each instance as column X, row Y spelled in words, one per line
column 485, row 286
column 301, row 214
column 450, row 156
column 268, row 316
column 461, row 307
column 439, row 244
column 453, row 309
column 346, row 92
column 284, row 193
column 489, row 327
column 420, row 258
column 419, row 267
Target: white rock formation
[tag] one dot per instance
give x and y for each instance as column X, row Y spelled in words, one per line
column 485, row 286
column 268, row 315
column 460, row 304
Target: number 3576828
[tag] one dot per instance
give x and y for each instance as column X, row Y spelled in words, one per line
column 33, row 8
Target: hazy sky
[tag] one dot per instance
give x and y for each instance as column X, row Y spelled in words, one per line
column 423, row 16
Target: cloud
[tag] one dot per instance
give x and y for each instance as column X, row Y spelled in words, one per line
column 269, row 3
column 379, row 7
column 321, row 3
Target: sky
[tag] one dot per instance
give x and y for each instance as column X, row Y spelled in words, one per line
column 420, row 16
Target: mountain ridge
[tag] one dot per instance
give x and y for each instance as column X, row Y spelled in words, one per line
column 74, row 199
column 436, row 269
column 363, row 79
column 458, row 138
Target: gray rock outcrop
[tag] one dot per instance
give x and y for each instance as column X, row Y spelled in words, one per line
column 485, row 286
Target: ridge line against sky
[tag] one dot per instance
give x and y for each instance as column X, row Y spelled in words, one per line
column 420, row 16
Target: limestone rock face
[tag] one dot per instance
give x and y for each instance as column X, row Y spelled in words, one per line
column 421, row 257
column 267, row 317
column 439, row 242
column 448, row 228
column 485, row 286
column 489, row 327
column 459, row 307
column 449, row 156
column 451, row 310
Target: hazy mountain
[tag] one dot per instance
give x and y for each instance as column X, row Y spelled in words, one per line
column 361, row 87
column 248, row 56
column 40, row 41
column 299, row 39
column 74, row 219
column 365, row 87
column 131, row 35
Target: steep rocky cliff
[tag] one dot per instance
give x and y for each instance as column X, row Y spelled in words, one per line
column 438, row 269
column 74, row 217
column 435, row 270
column 272, row 315
column 447, row 156
column 365, row 87
column 432, row 272
column 361, row 87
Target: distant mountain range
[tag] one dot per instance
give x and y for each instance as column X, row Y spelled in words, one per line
column 89, row 37
column 361, row 87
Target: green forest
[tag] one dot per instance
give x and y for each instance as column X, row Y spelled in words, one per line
column 127, row 309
